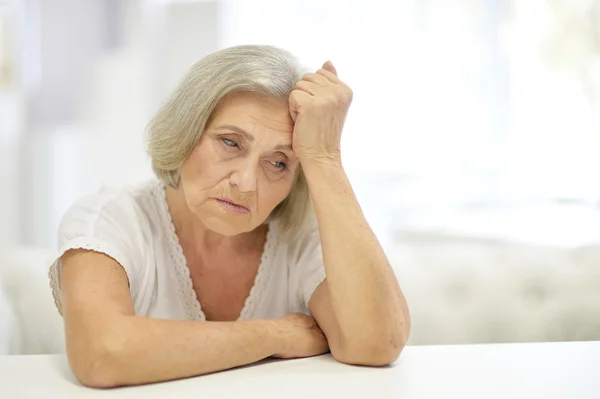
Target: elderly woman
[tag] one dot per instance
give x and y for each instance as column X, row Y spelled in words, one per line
column 249, row 244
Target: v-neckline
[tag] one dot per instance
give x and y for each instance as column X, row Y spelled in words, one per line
column 187, row 294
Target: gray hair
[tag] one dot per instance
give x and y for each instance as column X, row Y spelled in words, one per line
column 176, row 128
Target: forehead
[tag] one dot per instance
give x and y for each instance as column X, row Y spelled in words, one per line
column 253, row 111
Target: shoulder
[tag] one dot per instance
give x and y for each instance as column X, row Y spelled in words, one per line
column 118, row 222
column 123, row 219
column 111, row 208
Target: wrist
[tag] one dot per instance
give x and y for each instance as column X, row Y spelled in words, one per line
column 320, row 167
column 276, row 337
column 309, row 158
column 324, row 175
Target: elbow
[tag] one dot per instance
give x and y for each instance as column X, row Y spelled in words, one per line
column 377, row 348
column 97, row 374
column 97, row 366
column 374, row 353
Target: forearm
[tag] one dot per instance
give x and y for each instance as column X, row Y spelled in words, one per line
column 142, row 350
column 366, row 298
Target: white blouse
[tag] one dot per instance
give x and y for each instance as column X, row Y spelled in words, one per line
column 134, row 227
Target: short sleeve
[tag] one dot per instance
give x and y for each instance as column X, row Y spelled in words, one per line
column 308, row 271
column 104, row 222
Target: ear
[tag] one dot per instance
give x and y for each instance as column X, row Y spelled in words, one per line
column 328, row 66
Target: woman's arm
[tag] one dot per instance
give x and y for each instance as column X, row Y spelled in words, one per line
column 108, row 345
column 360, row 305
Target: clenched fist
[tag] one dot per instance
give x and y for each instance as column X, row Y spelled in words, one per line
column 318, row 106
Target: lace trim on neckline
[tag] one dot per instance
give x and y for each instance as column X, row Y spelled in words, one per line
column 186, row 291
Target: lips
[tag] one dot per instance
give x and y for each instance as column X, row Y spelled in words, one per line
column 232, row 205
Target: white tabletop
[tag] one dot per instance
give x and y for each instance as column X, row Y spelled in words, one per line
column 539, row 370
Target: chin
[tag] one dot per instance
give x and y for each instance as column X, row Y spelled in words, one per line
column 226, row 228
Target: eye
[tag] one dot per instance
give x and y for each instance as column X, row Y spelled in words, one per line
column 229, row 143
column 280, row 165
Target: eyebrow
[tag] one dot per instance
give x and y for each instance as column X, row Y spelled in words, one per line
column 250, row 137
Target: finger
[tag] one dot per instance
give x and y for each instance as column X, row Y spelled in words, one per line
column 328, row 66
column 317, row 79
column 296, row 99
column 329, row 75
column 309, row 87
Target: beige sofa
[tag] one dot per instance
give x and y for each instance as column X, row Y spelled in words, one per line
column 469, row 290
column 33, row 325
column 460, row 290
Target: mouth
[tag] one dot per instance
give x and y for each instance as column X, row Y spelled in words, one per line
column 232, row 206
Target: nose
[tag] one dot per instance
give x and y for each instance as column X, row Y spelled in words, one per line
column 244, row 177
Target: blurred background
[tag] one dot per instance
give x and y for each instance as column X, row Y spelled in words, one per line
column 476, row 119
column 480, row 115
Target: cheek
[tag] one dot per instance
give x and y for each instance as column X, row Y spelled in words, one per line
column 272, row 193
column 200, row 174
column 202, row 168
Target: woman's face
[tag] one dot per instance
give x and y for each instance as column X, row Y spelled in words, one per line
column 243, row 165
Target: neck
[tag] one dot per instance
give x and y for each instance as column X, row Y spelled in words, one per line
column 190, row 229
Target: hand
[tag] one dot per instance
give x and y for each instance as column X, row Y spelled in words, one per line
column 301, row 337
column 318, row 106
